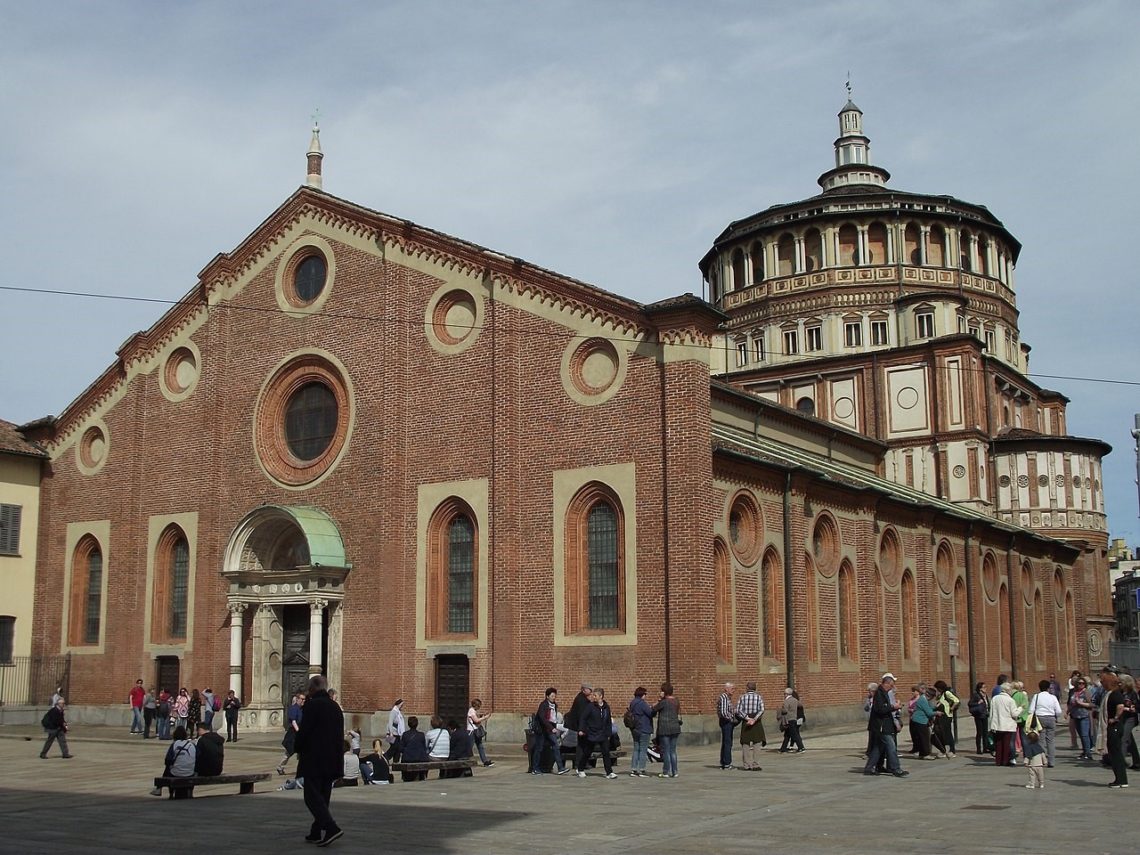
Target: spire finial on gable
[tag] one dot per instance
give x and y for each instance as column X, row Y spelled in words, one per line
column 315, row 155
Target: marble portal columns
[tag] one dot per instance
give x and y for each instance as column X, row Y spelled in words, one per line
column 237, row 625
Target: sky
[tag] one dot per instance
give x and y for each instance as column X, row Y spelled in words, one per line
column 610, row 142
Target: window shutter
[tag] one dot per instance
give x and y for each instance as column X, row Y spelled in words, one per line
column 10, row 529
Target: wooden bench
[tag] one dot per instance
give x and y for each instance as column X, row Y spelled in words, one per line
column 183, row 788
column 442, row 765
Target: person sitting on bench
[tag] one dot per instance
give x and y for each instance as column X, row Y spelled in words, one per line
column 210, row 752
column 460, row 749
column 180, row 758
column 413, row 749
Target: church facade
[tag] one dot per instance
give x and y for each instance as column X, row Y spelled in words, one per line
column 434, row 471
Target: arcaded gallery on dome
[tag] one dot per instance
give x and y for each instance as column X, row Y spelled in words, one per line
column 434, row 471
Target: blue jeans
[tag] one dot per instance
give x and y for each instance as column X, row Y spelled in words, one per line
column 136, row 720
column 884, row 747
column 667, row 745
column 1083, row 733
column 726, row 729
column 539, row 744
column 482, row 751
column 163, row 722
column 640, row 752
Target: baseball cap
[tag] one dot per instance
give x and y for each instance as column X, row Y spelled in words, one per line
column 887, row 676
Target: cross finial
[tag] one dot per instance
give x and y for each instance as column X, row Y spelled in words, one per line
column 848, row 85
column 316, row 115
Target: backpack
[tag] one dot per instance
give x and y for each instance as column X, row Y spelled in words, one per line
column 629, row 719
column 217, row 703
column 45, row 722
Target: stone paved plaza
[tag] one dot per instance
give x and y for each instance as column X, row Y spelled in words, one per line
column 814, row 802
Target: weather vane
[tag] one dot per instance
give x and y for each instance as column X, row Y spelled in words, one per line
column 317, row 112
column 848, row 85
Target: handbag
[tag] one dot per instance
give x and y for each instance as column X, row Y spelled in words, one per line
column 480, row 733
column 629, row 719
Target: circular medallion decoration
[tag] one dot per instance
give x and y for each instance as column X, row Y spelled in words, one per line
column 1042, row 480
column 592, row 370
column 825, row 545
column 1076, row 482
column 890, row 558
column 1060, row 480
column 1022, row 480
column 1003, row 481
column 1027, row 583
column 944, row 567
column 303, row 419
column 93, row 448
column 454, row 317
column 745, row 528
column 990, row 576
column 843, row 408
column 959, row 471
column 1096, row 644
column 907, row 397
column 180, row 372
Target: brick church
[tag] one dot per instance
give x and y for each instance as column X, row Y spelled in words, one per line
column 434, row 471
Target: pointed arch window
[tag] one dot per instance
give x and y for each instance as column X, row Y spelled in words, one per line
column 595, row 561
column 171, row 587
column 771, row 605
column 1005, row 639
column 909, row 617
column 960, row 618
column 86, row 593
column 722, row 569
column 453, row 565
column 848, row 629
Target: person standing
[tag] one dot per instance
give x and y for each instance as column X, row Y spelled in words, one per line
column 1079, row 706
column 208, row 707
column 193, row 711
column 135, row 698
column 921, row 717
column 546, row 733
column 162, row 712
column 320, row 745
column 789, row 718
column 946, row 712
column 230, row 707
column 668, row 712
column 750, row 710
column 883, row 710
column 55, row 726
column 1047, row 709
column 396, row 727
column 476, row 728
column 1114, row 712
column 292, row 727
column 182, row 708
column 1128, row 686
column 726, row 715
column 1004, row 713
column 574, row 719
column 979, row 707
column 150, row 711
column 641, row 732
column 596, row 733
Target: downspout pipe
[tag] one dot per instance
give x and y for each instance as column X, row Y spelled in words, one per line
column 970, row 603
column 789, row 634
column 665, row 519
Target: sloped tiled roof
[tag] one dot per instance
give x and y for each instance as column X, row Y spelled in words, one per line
column 13, row 442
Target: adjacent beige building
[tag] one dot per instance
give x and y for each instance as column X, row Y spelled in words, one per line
column 21, row 465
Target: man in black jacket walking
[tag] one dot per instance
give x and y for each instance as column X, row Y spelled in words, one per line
column 320, row 746
column 55, row 725
column 882, row 727
column 575, row 721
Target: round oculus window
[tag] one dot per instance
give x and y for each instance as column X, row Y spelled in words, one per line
column 310, row 421
column 303, row 419
column 309, row 278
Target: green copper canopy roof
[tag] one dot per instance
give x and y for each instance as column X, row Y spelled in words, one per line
column 326, row 549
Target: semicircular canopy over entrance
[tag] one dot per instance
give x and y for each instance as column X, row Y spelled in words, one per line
column 279, row 537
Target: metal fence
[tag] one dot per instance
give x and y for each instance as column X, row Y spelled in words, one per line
column 1125, row 653
column 32, row 680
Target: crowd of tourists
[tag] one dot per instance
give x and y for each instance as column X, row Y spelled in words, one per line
column 166, row 711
